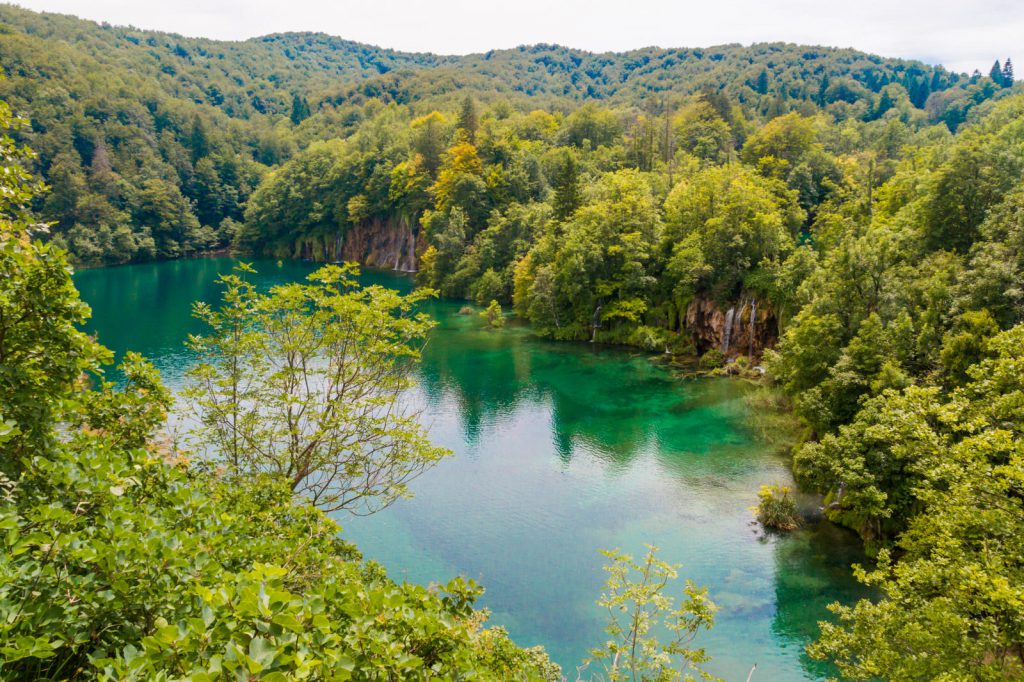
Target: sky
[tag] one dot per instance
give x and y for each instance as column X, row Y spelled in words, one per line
column 962, row 35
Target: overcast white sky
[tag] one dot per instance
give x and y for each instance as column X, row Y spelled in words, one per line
column 963, row 34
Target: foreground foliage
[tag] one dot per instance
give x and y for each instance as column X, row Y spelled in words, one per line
column 304, row 383
column 639, row 605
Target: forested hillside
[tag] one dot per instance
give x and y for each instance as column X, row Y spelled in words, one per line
column 153, row 143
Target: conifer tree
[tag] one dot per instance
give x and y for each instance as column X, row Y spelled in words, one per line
column 468, row 119
column 761, row 85
column 300, row 109
column 885, row 103
column 568, row 194
column 1008, row 73
column 996, row 73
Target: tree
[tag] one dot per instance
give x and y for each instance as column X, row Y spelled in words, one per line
column 305, row 383
column 302, row 197
column 460, row 182
column 701, row 131
column 43, row 351
column 966, row 344
column 953, row 597
column 160, row 206
column 975, row 177
column 493, row 315
column 996, row 74
column 996, row 269
column 737, row 218
column 199, row 142
column 638, row 606
column 590, row 126
column 300, row 109
column 783, row 141
column 761, row 84
column 593, row 273
column 430, row 139
column 568, row 192
column 213, row 197
column 1008, row 73
column 468, row 119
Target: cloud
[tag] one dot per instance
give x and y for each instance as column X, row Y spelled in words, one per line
column 961, row 35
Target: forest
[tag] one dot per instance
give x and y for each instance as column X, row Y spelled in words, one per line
column 152, row 144
column 845, row 227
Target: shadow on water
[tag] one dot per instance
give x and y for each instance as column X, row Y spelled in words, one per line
column 813, row 572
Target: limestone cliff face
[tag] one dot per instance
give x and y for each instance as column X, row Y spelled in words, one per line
column 746, row 327
column 387, row 244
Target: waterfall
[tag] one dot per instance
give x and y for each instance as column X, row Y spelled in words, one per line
column 753, row 321
column 729, row 316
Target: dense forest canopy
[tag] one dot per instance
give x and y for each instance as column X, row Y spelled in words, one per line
column 153, row 142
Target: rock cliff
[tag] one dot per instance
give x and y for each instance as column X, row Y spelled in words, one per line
column 387, row 244
column 746, row 327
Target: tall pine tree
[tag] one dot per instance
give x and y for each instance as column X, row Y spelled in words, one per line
column 1008, row 73
column 468, row 119
column 996, row 73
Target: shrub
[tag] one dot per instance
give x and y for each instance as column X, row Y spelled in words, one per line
column 650, row 339
column 712, row 359
column 777, row 509
column 493, row 315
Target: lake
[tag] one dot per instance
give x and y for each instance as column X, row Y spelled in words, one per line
column 561, row 449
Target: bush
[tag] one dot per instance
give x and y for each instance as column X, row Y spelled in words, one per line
column 776, row 508
column 650, row 339
column 493, row 315
column 121, row 564
column 712, row 359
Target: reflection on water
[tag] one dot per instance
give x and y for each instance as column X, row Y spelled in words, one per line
column 561, row 449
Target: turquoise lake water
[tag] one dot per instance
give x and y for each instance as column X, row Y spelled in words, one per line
column 560, row 450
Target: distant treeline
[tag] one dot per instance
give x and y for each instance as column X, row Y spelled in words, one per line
column 152, row 143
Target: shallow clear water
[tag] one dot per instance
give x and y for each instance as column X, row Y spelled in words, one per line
column 560, row 449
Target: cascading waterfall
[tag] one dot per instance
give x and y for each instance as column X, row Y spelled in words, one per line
column 729, row 317
column 753, row 321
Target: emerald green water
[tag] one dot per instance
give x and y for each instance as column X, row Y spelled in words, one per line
column 560, row 449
